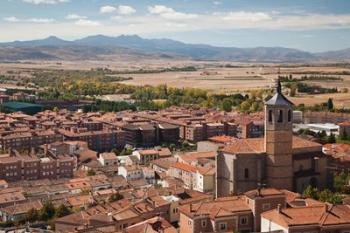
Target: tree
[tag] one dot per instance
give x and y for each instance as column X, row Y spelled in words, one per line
column 340, row 180
column 330, row 105
column 331, row 138
column 47, row 211
column 32, row 215
column 344, row 135
column 91, row 172
column 311, row 192
column 227, row 105
column 62, row 210
column 245, row 106
column 115, row 197
column 330, row 197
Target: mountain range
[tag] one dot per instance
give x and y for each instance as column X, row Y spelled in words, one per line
column 100, row 47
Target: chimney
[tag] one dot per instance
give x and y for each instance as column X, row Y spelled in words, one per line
column 259, row 191
column 191, row 207
column 279, row 208
column 46, row 148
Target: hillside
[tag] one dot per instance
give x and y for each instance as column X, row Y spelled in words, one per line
column 135, row 47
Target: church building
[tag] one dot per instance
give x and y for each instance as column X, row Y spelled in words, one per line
column 279, row 160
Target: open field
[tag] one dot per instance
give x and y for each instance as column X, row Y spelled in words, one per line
column 217, row 77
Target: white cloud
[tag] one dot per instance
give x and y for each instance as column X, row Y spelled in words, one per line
column 45, row 1
column 216, row 2
column 40, row 20
column 247, row 16
column 75, row 16
column 156, row 22
column 121, row 9
column 12, row 19
column 169, row 13
column 86, row 22
column 125, row 10
column 107, row 9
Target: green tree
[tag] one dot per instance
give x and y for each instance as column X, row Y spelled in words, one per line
column 245, row 106
column 91, row 172
column 340, row 181
column 62, row 210
column 331, row 138
column 115, row 197
column 330, row 197
column 311, row 192
column 47, row 211
column 227, row 105
column 330, row 105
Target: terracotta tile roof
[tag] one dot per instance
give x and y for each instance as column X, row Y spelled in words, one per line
column 108, row 156
column 256, row 145
column 222, row 139
column 250, row 145
column 153, row 225
column 221, row 207
column 325, row 215
column 185, row 167
column 192, row 156
column 264, row 192
column 82, row 200
column 22, row 208
column 164, row 163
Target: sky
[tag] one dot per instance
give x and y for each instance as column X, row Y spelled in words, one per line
column 310, row 25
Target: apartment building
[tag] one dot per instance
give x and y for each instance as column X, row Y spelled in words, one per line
column 201, row 179
column 16, row 167
column 102, row 141
column 28, row 140
column 147, row 156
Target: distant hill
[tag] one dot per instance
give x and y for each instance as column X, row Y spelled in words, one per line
column 134, row 47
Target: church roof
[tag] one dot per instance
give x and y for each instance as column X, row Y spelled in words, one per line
column 256, row 146
column 279, row 98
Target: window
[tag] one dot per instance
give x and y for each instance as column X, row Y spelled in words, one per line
column 204, row 223
column 189, row 222
column 246, row 173
column 244, row 220
column 270, row 115
column 280, row 116
column 223, row 226
column 266, row 206
column 289, row 115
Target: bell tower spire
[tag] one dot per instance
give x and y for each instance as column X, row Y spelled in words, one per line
column 279, row 86
column 279, row 140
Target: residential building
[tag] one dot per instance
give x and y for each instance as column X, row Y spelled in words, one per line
column 321, row 218
column 108, row 159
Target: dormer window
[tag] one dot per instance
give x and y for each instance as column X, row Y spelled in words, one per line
column 280, row 116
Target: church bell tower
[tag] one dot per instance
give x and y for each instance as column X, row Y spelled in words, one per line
column 278, row 140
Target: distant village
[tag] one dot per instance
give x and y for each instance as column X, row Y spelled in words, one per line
column 181, row 169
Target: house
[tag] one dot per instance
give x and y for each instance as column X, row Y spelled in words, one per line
column 132, row 172
column 18, row 212
column 194, row 177
column 107, row 159
column 320, row 218
column 153, row 225
column 147, row 156
column 222, row 215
